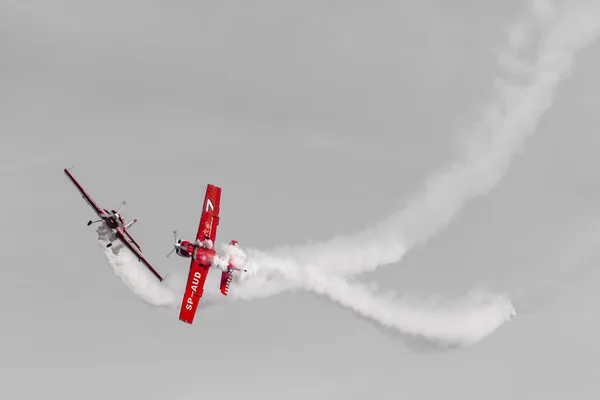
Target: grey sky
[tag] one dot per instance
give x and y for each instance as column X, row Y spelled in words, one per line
column 152, row 100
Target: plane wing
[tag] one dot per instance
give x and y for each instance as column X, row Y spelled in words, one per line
column 193, row 291
column 84, row 194
column 137, row 252
column 210, row 213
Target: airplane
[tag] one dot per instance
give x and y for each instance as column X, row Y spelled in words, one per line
column 203, row 255
column 116, row 222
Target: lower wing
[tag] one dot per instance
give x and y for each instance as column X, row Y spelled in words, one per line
column 139, row 255
column 193, row 291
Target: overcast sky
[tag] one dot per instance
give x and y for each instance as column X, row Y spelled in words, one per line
column 300, row 111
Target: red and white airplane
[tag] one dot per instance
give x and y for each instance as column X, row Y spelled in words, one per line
column 116, row 222
column 203, row 255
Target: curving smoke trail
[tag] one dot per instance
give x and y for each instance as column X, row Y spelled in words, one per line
column 507, row 123
column 462, row 322
column 466, row 321
column 323, row 268
column 134, row 275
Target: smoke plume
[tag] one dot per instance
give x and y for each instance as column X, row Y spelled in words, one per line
column 488, row 150
column 324, row 268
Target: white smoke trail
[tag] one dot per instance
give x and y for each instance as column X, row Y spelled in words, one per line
column 487, row 159
column 463, row 322
column 134, row 274
column 506, row 125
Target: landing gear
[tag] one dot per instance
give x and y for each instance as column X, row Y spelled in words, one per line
column 93, row 222
column 109, row 245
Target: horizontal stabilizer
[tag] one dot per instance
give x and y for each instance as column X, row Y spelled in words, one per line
column 226, row 277
column 209, row 220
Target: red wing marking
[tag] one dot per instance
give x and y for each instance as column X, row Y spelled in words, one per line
column 210, row 213
column 193, row 292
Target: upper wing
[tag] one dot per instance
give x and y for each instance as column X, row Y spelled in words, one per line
column 138, row 253
column 84, row 194
column 210, row 213
column 226, row 278
column 193, row 291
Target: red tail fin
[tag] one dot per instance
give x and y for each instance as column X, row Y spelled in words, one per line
column 226, row 277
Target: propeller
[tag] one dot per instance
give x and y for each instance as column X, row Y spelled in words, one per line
column 123, row 204
column 175, row 243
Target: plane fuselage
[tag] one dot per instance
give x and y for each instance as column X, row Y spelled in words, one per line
column 186, row 249
column 113, row 219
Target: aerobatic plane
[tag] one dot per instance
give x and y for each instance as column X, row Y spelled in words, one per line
column 116, row 222
column 203, row 255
